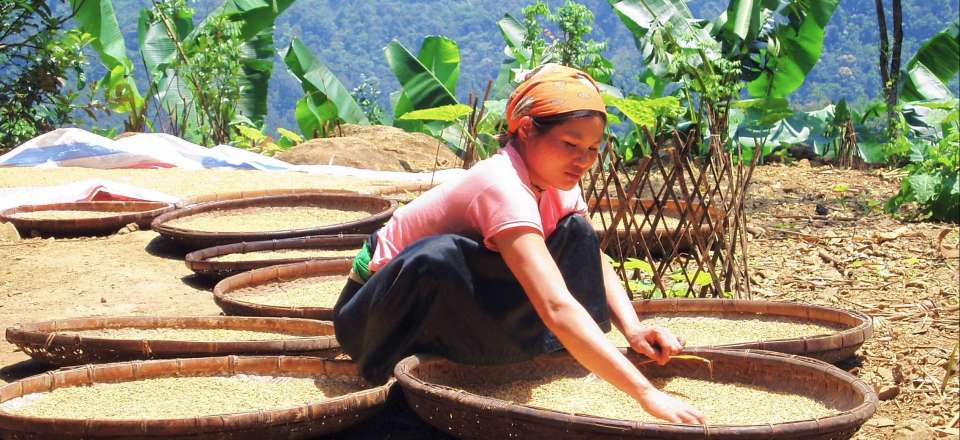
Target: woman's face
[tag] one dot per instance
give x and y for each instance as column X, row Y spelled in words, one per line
column 560, row 156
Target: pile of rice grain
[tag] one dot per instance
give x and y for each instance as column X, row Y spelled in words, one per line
column 570, row 389
column 179, row 397
column 265, row 219
column 322, row 291
column 730, row 328
column 184, row 334
column 283, row 254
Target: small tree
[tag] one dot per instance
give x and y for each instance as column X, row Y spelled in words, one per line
column 39, row 58
column 574, row 21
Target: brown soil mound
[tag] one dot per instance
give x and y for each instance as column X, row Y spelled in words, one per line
column 375, row 147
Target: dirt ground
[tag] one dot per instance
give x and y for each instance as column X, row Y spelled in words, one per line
column 855, row 257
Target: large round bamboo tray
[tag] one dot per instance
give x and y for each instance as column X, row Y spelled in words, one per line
column 231, row 305
column 52, row 341
column 835, row 347
column 470, row 416
column 307, row 421
column 123, row 213
column 202, row 262
column 380, row 208
column 661, row 240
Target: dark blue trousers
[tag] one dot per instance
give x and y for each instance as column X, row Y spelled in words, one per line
column 451, row 296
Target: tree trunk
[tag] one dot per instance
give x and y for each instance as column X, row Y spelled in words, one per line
column 890, row 63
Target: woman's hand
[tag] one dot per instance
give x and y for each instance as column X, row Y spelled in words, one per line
column 657, row 343
column 666, row 407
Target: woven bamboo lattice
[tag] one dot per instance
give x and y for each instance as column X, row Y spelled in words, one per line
column 679, row 219
column 232, row 304
column 471, row 416
column 302, row 422
column 203, row 263
column 123, row 213
column 853, row 327
column 380, row 210
column 57, row 342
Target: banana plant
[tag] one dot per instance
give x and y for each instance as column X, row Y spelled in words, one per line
column 934, row 65
column 428, row 80
column 98, row 18
column 326, row 100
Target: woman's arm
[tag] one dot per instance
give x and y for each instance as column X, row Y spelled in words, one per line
column 655, row 342
column 526, row 254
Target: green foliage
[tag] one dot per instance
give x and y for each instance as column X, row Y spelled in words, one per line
column 682, row 285
column 428, row 80
column 366, row 95
column 327, row 100
column 933, row 186
column 214, row 69
column 934, row 65
column 574, row 21
column 447, row 113
column 43, row 71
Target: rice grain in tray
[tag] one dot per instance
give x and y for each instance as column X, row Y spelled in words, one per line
column 266, row 219
column 184, row 334
column 721, row 329
column 286, row 254
column 665, row 222
column 54, row 214
column 302, row 292
column 178, row 397
column 571, row 389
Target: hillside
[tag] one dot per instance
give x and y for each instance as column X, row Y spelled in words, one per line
column 351, row 40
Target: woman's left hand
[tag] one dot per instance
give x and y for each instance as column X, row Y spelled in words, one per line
column 657, row 343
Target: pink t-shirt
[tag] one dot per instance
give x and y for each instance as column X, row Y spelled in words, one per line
column 493, row 196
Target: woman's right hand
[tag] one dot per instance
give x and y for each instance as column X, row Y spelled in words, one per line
column 671, row 409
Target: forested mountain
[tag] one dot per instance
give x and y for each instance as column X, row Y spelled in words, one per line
column 349, row 37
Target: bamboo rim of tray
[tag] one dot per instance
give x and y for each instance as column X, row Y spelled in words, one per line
column 284, row 272
column 202, row 262
column 468, row 415
column 52, row 341
column 313, row 419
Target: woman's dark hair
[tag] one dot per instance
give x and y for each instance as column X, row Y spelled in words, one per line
column 543, row 124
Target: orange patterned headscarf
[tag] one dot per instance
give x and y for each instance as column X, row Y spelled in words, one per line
column 552, row 89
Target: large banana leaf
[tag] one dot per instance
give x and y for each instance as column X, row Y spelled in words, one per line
column 422, row 87
column 97, row 18
column 797, row 48
column 934, row 65
column 322, row 87
column 156, row 46
column 513, row 34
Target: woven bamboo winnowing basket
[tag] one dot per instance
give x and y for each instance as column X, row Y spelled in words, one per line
column 124, row 213
column 230, row 303
column 470, row 416
column 661, row 240
column 202, row 261
column 302, row 422
column 834, row 347
column 56, row 342
column 379, row 208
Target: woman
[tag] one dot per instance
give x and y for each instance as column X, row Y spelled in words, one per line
column 501, row 265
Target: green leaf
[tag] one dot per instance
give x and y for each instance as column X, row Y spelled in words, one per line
column 800, row 44
column 447, row 113
column 422, row 87
column 644, row 112
column 924, row 186
column 287, row 134
column 743, row 18
column 319, row 82
column 513, row 34
column 934, row 65
column 313, row 112
column 637, row 264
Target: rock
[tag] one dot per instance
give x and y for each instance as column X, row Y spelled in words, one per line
column 880, row 422
column 103, row 300
column 888, row 392
column 886, row 374
column 8, row 232
column 131, row 227
column 914, row 429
